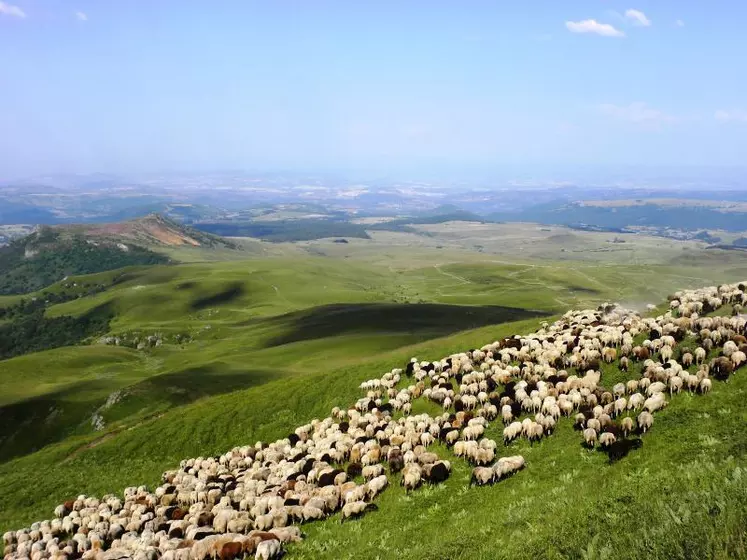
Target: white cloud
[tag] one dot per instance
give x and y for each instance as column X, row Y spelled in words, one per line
column 731, row 116
column 11, row 10
column 81, row 16
column 679, row 23
column 638, row 113
column 636, row 17
column 593, row 26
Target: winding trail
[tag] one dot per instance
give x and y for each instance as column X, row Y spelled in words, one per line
column 462, row 280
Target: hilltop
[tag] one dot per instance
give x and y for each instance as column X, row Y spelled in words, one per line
column 151, row 231
column 52, row 253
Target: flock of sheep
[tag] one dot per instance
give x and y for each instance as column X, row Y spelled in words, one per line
column 252, row 499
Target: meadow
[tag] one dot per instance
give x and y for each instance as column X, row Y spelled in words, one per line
column 276, row 339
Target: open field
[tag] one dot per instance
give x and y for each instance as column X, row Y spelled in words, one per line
column 244, row 322
column 272, row 341
column 517, row 243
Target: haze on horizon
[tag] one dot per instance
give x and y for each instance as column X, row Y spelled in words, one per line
column 90, row 86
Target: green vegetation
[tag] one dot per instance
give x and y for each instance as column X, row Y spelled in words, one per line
column 620, row 217
column 285, row 230
column 204, row 356
column 33, row 262
column 681, row 494
column 305, row 229
column 34, row 332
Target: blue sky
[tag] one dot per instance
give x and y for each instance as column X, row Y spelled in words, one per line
column 148, row 85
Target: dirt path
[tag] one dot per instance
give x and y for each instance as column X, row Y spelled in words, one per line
column 106, row 437
column 462, row 280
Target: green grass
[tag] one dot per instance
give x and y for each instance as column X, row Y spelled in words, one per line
column 251, row 321
column 278, row 340
column 248, row 322
column 681, row 495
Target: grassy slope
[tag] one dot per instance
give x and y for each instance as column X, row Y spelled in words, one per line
column 251, row 322
column 240, row 313
column 681, row 495
column 540, row 513
column 208, row 426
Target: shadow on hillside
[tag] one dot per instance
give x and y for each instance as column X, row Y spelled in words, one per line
column 228, row 294
column 621, row 448
column 583, row 290
column 27, row 426
column 190, row 384
column 146, row 275
column 618, row 450
column 426, row 320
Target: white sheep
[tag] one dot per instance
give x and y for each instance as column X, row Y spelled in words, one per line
column 645, row 421
column 267, row 550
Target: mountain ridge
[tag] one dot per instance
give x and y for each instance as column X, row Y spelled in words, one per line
column 51, row 253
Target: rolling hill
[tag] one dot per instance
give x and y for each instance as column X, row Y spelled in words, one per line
column 55, row 252
column 199, row 357
column 680, row 495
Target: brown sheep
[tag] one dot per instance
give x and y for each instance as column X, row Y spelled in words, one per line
column 231, row 550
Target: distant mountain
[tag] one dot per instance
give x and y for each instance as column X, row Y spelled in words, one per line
column 151, row 231
column 54, row 252
column 623, row 215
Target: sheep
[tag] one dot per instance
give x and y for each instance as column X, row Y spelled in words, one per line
column 606, row 439
column 657, row 387
column 355, row 509
column 738, row 358
column 627, row 425
column 267, row 550
column 700, row 355
column 507, row 465
column 590, row 436
column 411, row 476
column 372, row 471
column 482, row 476
column 507, row 414
column 645, row 421
column 511, row 432
column 675, row 384
column 268, row 485
column 636, row 401
column 437, row 472
column 287, row 534
column 620, row 405
column 656, row 402
column 705, row 385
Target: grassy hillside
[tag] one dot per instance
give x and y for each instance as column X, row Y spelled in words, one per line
column 195, row 330
column 681, row 495
column 33, row 262
column 52, row 253
column 191, row 331
column 201, row 357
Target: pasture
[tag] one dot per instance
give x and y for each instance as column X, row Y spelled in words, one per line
column 287, row 334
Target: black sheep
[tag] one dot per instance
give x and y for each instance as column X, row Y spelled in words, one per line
column 396, row 463
column 328, row 478
column 354, row 469
column 436, row 473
